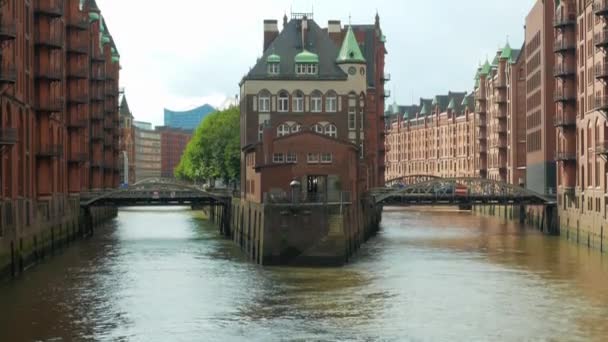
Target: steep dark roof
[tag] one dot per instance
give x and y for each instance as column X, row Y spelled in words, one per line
column 123, row 109
column 442, row 101
column 457, row 97
column 426, row 106
column 289, row 43
column 368, row 51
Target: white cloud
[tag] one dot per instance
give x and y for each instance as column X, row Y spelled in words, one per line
column 183, row 53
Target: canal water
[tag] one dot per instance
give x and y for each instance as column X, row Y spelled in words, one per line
column 165, row 275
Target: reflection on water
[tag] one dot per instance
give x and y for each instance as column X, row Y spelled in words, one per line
column 166, row 275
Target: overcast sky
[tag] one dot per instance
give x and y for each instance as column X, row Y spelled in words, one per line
column 180, row 54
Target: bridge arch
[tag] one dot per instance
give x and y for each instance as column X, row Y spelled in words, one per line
column 410, row 180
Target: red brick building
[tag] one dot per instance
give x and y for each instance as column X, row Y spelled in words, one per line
column 59, row 122
column 312, row 82
column 173, row 142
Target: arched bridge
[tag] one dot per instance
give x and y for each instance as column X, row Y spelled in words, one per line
column 462, row 192
column 152, row 192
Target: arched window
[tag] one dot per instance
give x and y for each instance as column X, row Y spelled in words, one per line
column 264, row 101
column 331, row 102
column 318, row 128
column 316, row 102
column 296, row 127
column 283, row 101
column 283, row 130
column 298, row 101
column 331, row 130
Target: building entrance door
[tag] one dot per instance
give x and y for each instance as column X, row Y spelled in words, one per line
column 316, row 188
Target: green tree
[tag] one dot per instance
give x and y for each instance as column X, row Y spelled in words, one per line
column 214, row 150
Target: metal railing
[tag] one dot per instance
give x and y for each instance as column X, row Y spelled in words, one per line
column 78, row 157
column 601, row 38
column 51, row 8
column 600, row 7
column 564, row 44
column 564, row 19
column 50, row 150
column 8, row 136
column 50, row 105
column 601, row 147
column 565, row 156
column 79, row 47
column 8, row 29
column 563, row 120
column 8, row 75
column 563, row 70
column 289, row 197
column 78, row 21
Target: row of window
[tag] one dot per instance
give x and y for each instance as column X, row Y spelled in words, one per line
column 294, row 127
column 300, row 69
column 316, row 102
column 311, row 158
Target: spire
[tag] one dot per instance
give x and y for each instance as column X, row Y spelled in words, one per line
column 284, row 20
column 350, row 51
column 485, row 69
column 507, row 52
column 452, row 104
column 124, row 107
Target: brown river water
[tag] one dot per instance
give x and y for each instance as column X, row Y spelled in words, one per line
column 166, row 275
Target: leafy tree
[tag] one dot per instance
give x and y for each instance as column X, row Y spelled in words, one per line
column 214, row 150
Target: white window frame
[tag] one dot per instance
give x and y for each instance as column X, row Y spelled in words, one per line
column 278, row 158
column 283, row 103
column 273, row 68
column 312, row 158
column 316, row 103
column 300, row 69
column 352, row 118
column 326, row 158
column 298, row 102
column 331, row 104
column 331, row 130
column 292, row 157
column 283, row 130
column 264, row 104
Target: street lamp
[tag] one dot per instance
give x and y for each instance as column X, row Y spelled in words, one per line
column 295, row 190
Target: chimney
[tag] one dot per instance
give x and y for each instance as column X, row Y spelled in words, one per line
column 334, row 29
column 267, row 143
column 271, row 32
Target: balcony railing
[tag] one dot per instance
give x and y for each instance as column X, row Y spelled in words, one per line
column 8, row 29
column 97, row 97
column 97, row 115
column 601, row 148
column 386, row 77
column 78, row 99
column 500, row 143
column 50, row 105
column 501, row 127
column 482, row 135
column 8, row 136
column 601, row 71
column 565, row 156
column 601, row 103
column 8, row 75
column 386, row 94
column 52, row 42
column 51, row 8
column 564, row 70
column 97, row 135
column 97, row 164
column 78, row 22
column 78, row 157
column 480, row 95
column 78, row 47
column 501, row 98
column 481, row 122
column 564, row 120
column 562, row 20
column 78, row 73
column 76, row 123
column 564, row 45
column 601, row 39
column 600, row 7
column 50, row 151
column 500, row 83
column 483, row 148
column 501, row 113
column 49, row 73
column 565, row 95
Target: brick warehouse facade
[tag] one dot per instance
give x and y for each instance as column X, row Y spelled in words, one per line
column 481, row 134
column 59, row 123
column 173, row 142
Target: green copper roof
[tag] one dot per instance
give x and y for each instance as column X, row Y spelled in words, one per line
column 406, row 116
column 452, row 104
column 350, row 51
column 105, row 39
column 115, row 59
column 495, row 61
column 307, row 57
column 465, row 101
column 507, row 52
column 435, row 102
column 274, row 58
column 485, row 69
column 93, row 16
column 424, row 110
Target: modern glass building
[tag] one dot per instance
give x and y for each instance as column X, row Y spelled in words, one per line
column 188, row 120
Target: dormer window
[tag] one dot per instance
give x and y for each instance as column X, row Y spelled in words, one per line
column 307, row 63
column 274, row 62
